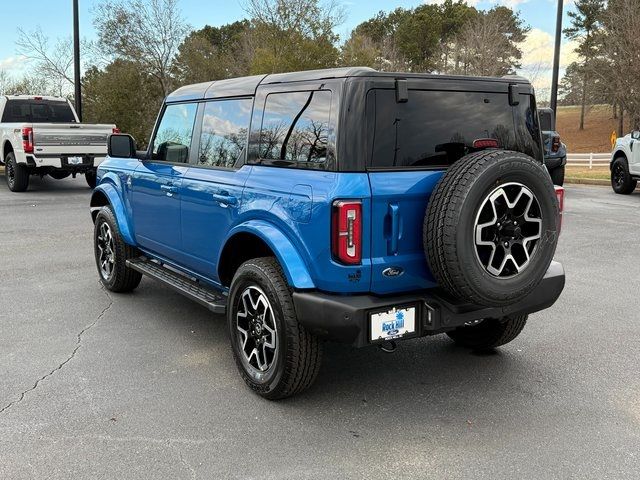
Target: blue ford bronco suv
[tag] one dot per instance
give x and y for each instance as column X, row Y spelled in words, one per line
column 347, row 205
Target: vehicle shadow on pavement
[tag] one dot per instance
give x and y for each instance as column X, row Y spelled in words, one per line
column 45, row 184
column 422, row 374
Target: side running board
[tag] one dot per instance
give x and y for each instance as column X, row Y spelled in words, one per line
column 191, row 288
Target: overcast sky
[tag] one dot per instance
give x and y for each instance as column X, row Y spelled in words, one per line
column 55, row 19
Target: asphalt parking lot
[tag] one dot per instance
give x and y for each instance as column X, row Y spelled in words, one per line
column 96, row 385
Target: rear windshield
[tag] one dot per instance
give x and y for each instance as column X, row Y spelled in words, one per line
column 37, row 111
column 436, row 128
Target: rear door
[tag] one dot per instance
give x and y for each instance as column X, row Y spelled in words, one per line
column 156, row 183
column 412, row 143
column 212, row 188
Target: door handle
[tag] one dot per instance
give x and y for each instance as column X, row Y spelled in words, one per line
column 225, row 199
column 169, row 189
column 394, row 212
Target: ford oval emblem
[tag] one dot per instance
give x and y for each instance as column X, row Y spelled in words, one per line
column 392, row 333
column 393, row 272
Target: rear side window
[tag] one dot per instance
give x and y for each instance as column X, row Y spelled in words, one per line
column 295, row 128
column 37, row 111
column 225, row 125
column 436, row 128
column 173, row 137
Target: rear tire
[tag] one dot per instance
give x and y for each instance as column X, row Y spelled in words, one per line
column 112, row 253
column 621, row 180
column 16, row 174
column 489, row 333
column 557, row 175
column 91, row 177
column 276, row 356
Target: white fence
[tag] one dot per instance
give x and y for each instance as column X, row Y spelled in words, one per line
column 588, row 160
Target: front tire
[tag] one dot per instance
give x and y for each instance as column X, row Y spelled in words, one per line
column 557, row 175
column 276, row 356
column 112, row 253
column 16, row 174
column 91, row 178
column 489, row 333
column 621, row 180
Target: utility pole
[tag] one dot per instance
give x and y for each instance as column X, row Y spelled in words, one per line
column 76, row 59
column 556, row 60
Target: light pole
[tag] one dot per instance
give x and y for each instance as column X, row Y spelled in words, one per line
column 556, row 60
column 76, row 59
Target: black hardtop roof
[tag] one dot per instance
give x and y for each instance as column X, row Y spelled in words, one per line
column 246, row 86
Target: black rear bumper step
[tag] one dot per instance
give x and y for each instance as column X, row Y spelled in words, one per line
column 345, row 318
column 204, row 295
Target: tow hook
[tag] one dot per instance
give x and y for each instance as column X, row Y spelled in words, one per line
column 388, row 346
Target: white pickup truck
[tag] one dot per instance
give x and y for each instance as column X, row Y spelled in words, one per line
column 625, row 163
column 43, row 136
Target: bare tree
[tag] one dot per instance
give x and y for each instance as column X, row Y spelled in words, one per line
column 620, row 65
column 487, row 45
column 147, row 33
column 53, row 61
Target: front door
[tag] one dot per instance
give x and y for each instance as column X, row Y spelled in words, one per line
column 212, row 188
column 156, row 183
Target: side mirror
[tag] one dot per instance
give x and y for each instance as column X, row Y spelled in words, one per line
column 635, row 134
column 121, row 146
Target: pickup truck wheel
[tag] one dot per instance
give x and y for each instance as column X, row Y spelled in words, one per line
column 557, row 175
column 112, row 253
column 621, row 180
column 90, row 177
column 16, row 174
column 59, row 174
column 490, row 230
column 489, row 333
column 276, row 356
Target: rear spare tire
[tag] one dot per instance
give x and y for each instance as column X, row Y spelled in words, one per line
column 490, row 230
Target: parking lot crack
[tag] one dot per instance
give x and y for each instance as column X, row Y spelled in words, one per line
column 186, row 465
column 77, row 346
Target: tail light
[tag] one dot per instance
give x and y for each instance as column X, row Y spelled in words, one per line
column 560, row 197
column 555, row 144
column 27, row 140
column 115, row 130
column 346, row 231
column 486, row 143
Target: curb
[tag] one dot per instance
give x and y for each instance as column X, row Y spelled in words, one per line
column 587, row 181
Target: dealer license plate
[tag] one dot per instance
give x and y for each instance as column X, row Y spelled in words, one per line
column 392, row 324
column 75, row 160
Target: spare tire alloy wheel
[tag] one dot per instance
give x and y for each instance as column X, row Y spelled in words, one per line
column 508, row 230
column 257, row 334
column 490, row 230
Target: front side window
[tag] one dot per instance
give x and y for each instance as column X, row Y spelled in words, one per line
column 173, row 137
column 295, row 127
column 224, row 132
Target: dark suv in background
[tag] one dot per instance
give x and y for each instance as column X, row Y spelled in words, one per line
column 555, row 152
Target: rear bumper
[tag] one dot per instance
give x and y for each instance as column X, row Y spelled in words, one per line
column 345, row 318
column 62, row 162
